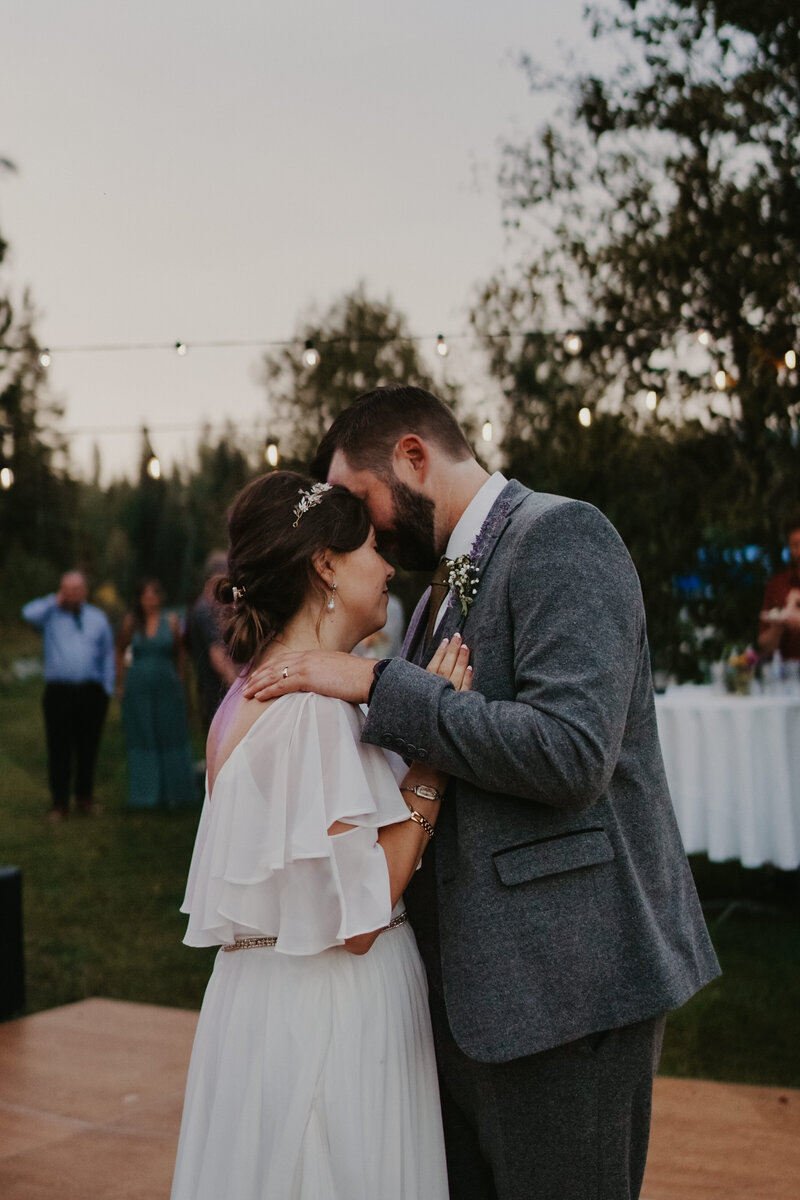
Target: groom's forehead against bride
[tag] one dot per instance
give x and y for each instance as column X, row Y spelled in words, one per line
column 356, row 480
column 376, row 494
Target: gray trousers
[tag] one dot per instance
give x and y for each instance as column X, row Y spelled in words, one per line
column 570, row 1123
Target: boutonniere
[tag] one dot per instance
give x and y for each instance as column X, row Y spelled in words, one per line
column 462, row 579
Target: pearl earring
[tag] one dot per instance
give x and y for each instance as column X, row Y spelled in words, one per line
column 332, row 599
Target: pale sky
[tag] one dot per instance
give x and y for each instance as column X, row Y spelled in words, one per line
column 209, row 171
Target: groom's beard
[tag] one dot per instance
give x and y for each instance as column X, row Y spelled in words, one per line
column 412, row 538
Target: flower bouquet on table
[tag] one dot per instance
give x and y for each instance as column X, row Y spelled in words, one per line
column 740, row 670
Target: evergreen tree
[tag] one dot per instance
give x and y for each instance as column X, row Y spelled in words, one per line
column 37, row 505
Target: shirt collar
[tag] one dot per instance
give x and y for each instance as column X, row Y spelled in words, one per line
column 469, row 523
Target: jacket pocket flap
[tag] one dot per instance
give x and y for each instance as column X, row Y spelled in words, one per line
column 566, row 853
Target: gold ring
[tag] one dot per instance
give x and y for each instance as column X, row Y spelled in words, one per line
column 285, row 672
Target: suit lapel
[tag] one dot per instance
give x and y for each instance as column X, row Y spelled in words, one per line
column 495, row 524
column 414, row 642
column 481, row 552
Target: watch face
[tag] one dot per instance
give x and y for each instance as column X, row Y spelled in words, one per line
column 427, row 793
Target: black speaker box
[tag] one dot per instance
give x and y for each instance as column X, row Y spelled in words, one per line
column 12, row 954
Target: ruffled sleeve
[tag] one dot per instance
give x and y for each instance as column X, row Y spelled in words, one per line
column 263, row 861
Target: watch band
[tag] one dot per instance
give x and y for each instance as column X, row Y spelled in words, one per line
column 377, row 671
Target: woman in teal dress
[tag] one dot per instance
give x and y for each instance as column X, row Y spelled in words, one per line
column 149, row 649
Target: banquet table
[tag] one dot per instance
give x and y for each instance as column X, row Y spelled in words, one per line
column 733, row 767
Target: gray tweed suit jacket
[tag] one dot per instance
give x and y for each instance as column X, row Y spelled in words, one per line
column 562, row 902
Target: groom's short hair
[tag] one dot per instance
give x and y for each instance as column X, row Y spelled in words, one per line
column 368, row 431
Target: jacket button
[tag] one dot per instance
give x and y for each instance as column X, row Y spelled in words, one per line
column 412, row 750
column 387, row 739
column 422, row 754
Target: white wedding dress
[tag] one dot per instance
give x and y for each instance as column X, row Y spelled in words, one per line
column 312, row 1075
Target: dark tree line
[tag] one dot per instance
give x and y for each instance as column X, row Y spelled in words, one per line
column 36, row 512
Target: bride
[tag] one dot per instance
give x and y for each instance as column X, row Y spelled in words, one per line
column 312, row 1075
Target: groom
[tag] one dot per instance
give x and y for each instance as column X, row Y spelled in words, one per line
column 556, row 916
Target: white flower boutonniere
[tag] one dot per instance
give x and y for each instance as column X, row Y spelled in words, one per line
column 462, row 578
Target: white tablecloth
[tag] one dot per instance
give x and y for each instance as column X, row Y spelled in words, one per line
column 733, row 766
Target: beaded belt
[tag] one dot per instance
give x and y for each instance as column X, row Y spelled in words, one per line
column 254, row 943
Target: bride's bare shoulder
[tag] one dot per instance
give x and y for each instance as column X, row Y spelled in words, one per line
column 232, row 721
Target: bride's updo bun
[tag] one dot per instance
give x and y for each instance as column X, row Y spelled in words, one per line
column 270, row 569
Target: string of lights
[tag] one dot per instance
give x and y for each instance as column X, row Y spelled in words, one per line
column 312, row 353
column 311, row 347
column 312, row 350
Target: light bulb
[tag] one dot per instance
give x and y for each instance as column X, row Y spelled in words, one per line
column 704, row 337
column 573, row 344
column 181, row 348
column 442, row 348
column 271, row 453
column 487, row 432
column 585, row 417
column 790, row 359
column 153, row 467
column 45, row 358
column 651, row 400
column 721, row 380
column 6, row 478
column 310, row 354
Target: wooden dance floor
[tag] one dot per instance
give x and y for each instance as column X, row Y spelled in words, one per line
column 90, row 1103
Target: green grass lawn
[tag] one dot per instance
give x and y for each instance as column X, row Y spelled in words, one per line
column 743, row 1026
column 101, row 899
column 101, row 894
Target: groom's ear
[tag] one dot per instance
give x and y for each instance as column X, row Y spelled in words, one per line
column 411, row 459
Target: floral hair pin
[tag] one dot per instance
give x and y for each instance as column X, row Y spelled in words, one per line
column 308, row 500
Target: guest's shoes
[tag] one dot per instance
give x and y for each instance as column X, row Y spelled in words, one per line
column 88, row 808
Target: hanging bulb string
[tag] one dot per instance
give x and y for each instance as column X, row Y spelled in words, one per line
column 572, row 342
column 183, row 347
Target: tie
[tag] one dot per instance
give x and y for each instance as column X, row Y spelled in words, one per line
column 439, row 589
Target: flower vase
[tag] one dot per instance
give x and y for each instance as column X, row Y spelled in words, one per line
column 739, row 680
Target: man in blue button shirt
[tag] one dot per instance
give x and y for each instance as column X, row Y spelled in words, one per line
column 79, row 680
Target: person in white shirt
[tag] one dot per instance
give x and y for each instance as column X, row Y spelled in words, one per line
column 79, row 680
